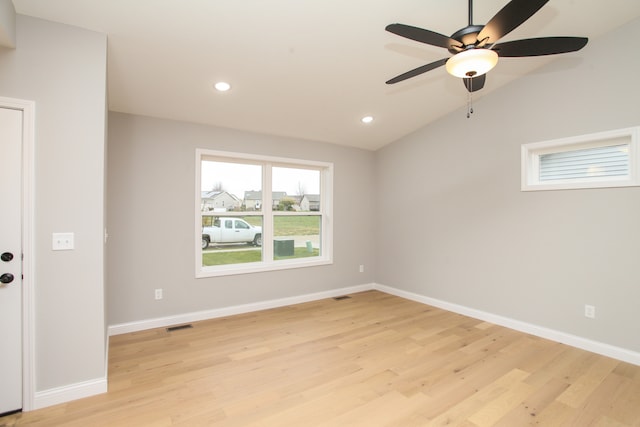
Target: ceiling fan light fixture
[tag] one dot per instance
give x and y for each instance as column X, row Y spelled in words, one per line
column 472, row 62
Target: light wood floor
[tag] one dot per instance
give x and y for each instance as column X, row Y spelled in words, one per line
column 371, row 360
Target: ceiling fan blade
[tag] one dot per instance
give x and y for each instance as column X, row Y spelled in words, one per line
column 422, row 35
column 417, row 71
column 475, row 83
column 509, row 17
column 540, row 46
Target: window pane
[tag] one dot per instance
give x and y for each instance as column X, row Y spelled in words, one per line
column 231, row 240
column 296, row 236
column 230, row 187
column 227, row 186
column 296, row 189
column 585, row 163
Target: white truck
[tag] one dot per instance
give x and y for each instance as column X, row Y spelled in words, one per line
column 231, row 230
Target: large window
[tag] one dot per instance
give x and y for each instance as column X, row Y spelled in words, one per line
column 258, row 213
column 607, row 159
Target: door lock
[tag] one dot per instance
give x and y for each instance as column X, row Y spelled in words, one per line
column 6, row 257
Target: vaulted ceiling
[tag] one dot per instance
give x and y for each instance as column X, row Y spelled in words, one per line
column 309, row 69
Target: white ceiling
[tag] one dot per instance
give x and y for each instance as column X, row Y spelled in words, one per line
column 308, row 69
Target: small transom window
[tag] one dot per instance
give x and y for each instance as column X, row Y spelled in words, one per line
column 607, row 159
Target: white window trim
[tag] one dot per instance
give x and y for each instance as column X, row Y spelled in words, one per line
column 326, row 211
column 530, row 161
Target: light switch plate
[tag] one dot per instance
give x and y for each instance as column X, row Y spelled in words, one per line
column 62, row 242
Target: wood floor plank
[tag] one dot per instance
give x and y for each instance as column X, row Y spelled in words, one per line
column 625, row 401
column 532, row 405
column 371, row 360
column 597, row 403
column 584, row 386
column 497, row 408
column 557, row 414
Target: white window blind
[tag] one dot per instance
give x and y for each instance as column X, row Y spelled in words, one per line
column 596, row 162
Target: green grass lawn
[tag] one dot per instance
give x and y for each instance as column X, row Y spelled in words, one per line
column 286, row 225
column 291, row 225
column 250, row 255
column 296, row 225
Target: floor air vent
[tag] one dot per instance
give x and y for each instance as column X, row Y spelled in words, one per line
column 177, row 328
column 341, row 297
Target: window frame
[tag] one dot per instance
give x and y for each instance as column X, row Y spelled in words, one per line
column 268, row 262
column 531, row 152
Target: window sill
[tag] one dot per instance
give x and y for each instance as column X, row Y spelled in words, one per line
column 259, row 267
column 550, row 186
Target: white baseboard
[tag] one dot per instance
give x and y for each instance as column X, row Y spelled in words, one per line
column 551, row 334
column 57, row 395
column 97, row 386
column 162, row 322
column 539, row 331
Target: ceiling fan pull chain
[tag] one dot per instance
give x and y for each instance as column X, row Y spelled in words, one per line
column 470, row 99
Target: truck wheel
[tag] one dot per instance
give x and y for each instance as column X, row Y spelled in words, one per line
column 257, row 241
column 205, row 243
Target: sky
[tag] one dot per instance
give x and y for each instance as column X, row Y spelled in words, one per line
column 236, row 178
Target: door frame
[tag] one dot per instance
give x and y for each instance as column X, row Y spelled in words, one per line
column 28, row 269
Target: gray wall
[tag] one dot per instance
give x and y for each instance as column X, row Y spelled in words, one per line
column 537, row 257
column 151, row 185
column 63, row 69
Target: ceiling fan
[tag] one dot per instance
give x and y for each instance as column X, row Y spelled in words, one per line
column 474, row 49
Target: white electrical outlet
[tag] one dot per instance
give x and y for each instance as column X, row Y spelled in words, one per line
column 589, row 311
column 361, row 268
column 158, row 293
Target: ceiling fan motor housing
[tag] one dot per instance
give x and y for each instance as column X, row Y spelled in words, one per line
column 467, row 36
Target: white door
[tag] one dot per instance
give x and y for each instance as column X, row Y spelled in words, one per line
column 10, row 260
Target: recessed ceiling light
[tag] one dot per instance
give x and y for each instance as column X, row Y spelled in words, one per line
column 366, row 119
column 222, row 86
